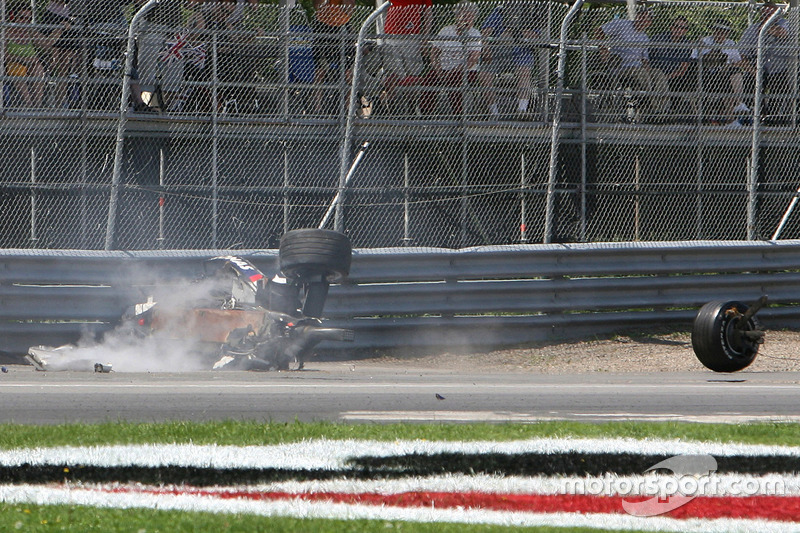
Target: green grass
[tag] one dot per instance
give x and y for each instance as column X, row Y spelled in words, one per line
column 35, row 518
column 253, row 433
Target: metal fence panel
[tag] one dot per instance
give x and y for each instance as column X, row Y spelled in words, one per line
column 238, row 125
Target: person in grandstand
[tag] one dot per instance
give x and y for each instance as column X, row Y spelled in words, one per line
column 721, row 62
column 627, row 57
column 65, row 51
column 454, row 59
column 23, row 46
column 405, row 19
column 331, row 22
column 407, row 23
column 509, row 32
column 673, row 55
column 777, row 59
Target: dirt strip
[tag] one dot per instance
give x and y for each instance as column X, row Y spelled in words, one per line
column 650, row 352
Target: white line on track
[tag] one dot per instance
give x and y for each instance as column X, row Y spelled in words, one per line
column 381, row 386
column 503, row 416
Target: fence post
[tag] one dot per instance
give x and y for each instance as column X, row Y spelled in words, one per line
column 34, row 214
column 465, row 209
column 523, row 186
column 111, row 226
column 793, row 25
column 752, row 182
column 285, row 14
column 3, row 21
column 556, row 131
column 406, row 206
column 347, row 141
column 286, row 185
column 214, row 138
column 162, row 172
column 584, row 140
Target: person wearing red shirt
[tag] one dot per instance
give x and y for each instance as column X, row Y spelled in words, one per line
column 407, row 18
column 407, row 22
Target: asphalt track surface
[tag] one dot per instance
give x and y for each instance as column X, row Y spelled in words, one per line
column 351, row 392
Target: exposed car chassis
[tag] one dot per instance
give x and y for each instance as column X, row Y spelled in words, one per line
column 245, row 320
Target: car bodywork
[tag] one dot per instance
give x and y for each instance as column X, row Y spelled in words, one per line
column 236, row 317
column 257, row 323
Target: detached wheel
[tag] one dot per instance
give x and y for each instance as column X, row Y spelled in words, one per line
column 717, row 341
column 309, row 253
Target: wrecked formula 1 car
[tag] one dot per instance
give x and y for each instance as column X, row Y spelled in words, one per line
column 241, row 319
column 256, row 323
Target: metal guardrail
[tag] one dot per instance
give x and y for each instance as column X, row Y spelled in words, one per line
column 489, row 296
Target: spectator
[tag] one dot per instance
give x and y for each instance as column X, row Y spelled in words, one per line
column 191, row 46
column 454, row 58
column 219, row 14
column 720, row 61
column 777, row 79
column 237, row 12
column 405, row 20
column 104, row 35
column 108, row 13
column 23, row 43
column 156, row 73
column 628, row 57
column 301, row 51
column 672, row 57
column 301, row 58
column 65, row 49
column 331, row 23
column 509, row 26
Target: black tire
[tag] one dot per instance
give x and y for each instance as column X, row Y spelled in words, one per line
column 306, row 254
column 717, row 342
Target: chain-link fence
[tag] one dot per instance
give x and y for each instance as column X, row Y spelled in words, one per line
column 446, row 126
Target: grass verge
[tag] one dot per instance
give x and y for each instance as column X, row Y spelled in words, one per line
column 244, row 433
column 37, row 518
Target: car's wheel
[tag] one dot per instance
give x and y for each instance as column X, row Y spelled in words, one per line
column 717, row 341
column 309, row 253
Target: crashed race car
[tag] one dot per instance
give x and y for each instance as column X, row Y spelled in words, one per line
column 726, row 335
column 240, row 319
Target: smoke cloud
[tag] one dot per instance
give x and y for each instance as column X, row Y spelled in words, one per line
column 126, row 349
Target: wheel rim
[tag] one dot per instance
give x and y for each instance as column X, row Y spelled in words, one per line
column 734, row 339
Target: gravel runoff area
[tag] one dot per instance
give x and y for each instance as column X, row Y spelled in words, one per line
column 650, row 352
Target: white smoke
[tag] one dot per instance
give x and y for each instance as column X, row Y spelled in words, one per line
column 127, row 353
column 126, row 350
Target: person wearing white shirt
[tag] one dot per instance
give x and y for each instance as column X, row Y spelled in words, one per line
column 455, row 56
column 627, row 57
